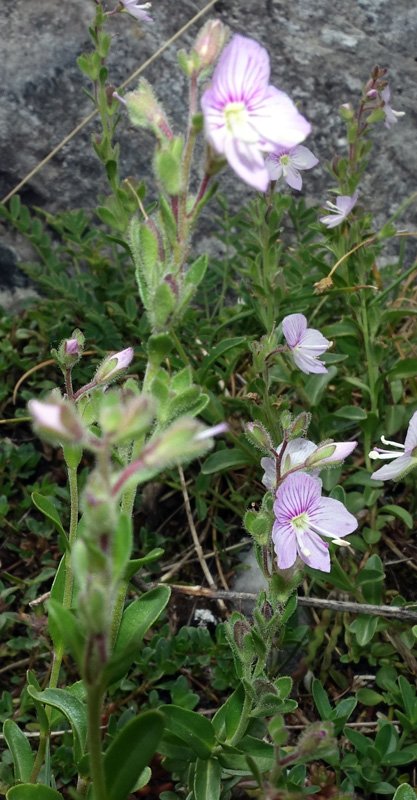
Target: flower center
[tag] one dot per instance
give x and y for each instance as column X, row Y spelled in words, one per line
column 285, row 160
column 237, row 119
column 300, row 522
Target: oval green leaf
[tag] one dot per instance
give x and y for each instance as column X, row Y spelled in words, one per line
column 130, row 752
column 23, row 757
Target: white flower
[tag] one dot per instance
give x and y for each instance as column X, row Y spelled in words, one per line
column 286, row 163
column 340, row 209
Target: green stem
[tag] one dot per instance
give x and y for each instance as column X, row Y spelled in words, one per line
column 94, row 704
column 66, row 602
column 372, row 371
column 69, row 577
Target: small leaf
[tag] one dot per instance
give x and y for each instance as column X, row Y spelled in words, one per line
column 192, row 728
column 230, row 458
column 72, row 708
column 136, row 563
column 406, row 368
column 32, row 791
column 351, row 412
column 401, row 513
column 405, row 792
column 18, row 744
column 63, row 627
column 137, row 618
column 207, row 779
column 130, row 752
column 321, row 700
column 45, row 505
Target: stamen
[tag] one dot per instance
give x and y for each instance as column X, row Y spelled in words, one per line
column 384, row 455
column 394, row 444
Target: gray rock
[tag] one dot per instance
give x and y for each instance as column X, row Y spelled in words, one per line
column 321, row 54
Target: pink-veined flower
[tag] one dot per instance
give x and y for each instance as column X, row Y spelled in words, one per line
column 339, row 210
column 306, row 344
column 303, row 453
column 288, row 163
column 391, row 116
column 404, row 458
column 302, row 518
column 244, row 116
column 138, row 10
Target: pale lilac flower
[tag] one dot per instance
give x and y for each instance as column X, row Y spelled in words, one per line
column 288, row 162
column 295, row 454
column 340, row 210
column 404, row 458
column 306, row 344
column 303, row 453
column 113, row 365
column 391, row 116
column 302, row 517
column 56, row 419
column 137, row 10
column 244, row 116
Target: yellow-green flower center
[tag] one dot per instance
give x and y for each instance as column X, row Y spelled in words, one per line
column 300, row 522
column 236, row 117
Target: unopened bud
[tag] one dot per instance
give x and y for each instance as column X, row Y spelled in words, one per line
column 56, row 421
column 317, row 740
column 70, row 350
column 113, row 366
column 209, row 43
column 241, row 629
column 259, row 437
column 372, row 94
column 145, row 111
column 346, row 111
column 123, row 421
column 299, row 426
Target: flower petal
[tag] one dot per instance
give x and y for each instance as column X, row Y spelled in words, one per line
column 394, row 470
column 314, row 341
column 307, row 363
column 269, row 476
column 298, row 494
column 293, row 177
column 303, row 158
column 285, row 545
column 331, row 518
column 247, row 161
column 242, row 72
column 273, row 166
column 277, row 119
column 318, row 557
column 293, row 327
column 411, row 438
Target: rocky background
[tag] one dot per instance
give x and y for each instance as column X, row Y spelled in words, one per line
column 321, row 52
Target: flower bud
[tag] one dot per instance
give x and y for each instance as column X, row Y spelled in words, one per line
column 317, row 741
column 57, row 421
column 259, row 437
column 70, row 350
column 299, row 426
column 209, row 43
column 330, row 453
column 122, row 421
column 241, row 629
column 113, row 366
column 146, row 112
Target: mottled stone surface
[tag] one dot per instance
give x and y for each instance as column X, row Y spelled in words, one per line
column 321, row 54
